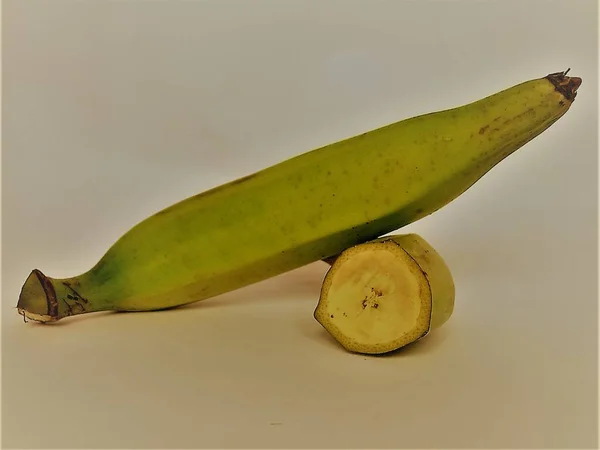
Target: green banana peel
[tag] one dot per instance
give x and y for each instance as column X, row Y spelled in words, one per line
column 304, row 209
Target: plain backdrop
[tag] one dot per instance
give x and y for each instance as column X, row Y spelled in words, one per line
column 113, row 110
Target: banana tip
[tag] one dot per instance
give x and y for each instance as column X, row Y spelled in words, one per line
column 37, row 300
column 567, row 86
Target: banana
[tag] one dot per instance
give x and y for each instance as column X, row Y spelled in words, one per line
column 384, row 294
column 304, row 209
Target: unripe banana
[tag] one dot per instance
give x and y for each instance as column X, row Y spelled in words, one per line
column 384, row 294
column 304, row 209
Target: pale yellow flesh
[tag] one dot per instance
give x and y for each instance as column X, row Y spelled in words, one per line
column 375, row 299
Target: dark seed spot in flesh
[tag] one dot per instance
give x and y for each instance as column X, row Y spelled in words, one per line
column 483, row 129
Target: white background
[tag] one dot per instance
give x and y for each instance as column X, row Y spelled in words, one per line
column 115, row 109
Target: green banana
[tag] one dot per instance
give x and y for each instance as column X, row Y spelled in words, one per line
column 304, row 209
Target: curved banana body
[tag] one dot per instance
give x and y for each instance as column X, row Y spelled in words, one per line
column 304, row 209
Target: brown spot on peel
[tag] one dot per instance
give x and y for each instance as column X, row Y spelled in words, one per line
column 242, row 179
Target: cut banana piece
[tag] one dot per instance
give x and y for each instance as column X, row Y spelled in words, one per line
column 382, row 295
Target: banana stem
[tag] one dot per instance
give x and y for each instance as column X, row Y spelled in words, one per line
column 567, row 86
column 45, row 299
